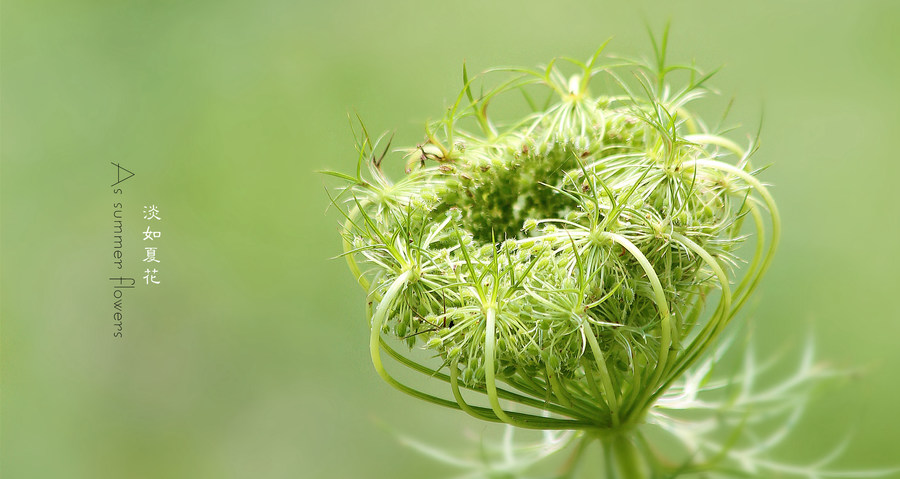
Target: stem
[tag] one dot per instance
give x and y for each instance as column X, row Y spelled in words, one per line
column 348, row 247
column 454, row 385
column 718, row 141
column 608, row 461
column 627, row 458
column 665, row 325
column 558, row 389
column 758, row 253
column 519, row 420
column 490, row 381
column 767, row 199
column 720, row 318
column 605, row 381
column 378, row 320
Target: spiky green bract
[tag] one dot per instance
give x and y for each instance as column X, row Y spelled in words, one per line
column 717, row 421
column 562, row 261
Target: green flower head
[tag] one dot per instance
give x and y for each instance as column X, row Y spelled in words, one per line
column 569, row 264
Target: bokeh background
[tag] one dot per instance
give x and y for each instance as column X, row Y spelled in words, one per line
column 250, row 358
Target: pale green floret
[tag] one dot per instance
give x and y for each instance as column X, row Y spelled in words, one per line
column 562, row 261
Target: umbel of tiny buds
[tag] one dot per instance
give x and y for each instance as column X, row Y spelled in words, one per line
column 567, row 266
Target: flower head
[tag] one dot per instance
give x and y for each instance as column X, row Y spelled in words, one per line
column 570, row 265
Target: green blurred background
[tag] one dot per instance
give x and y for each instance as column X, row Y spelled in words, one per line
column 250, row 358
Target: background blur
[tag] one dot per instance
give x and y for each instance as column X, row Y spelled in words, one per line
column 249, row 359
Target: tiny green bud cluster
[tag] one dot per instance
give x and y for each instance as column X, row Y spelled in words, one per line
column 561, row 261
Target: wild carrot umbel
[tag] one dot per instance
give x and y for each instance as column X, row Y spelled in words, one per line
column 570, row 267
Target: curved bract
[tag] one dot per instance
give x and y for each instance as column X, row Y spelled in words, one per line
column 568, row 266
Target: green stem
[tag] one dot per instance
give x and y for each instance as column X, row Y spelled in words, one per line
column 490, row 382
column 626, row 456
column 454, row 385
column 605, row 381
column 767, row 199
column 718, row 141
column 378, row 320
column 665, row 325
column 348, row 247
column 505, row 394
column 489, row 373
